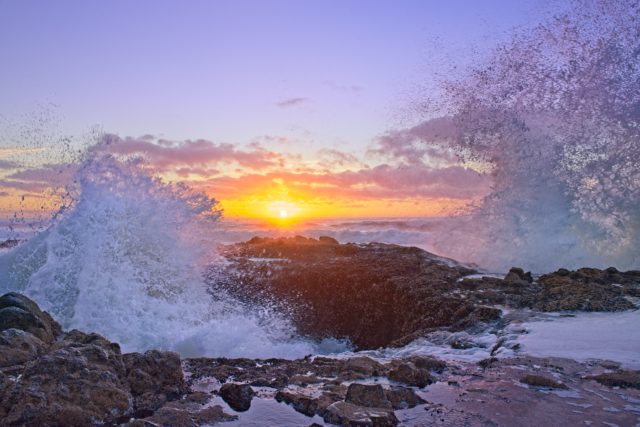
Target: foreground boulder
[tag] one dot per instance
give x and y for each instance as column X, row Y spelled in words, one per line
column 52, row 378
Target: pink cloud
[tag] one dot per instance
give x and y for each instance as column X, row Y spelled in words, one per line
column 164, row 154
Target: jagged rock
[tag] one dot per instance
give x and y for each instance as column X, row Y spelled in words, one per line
column 74, row 385
column 370, row 396
column 19, row 312
column 237, row 396
column 328, row 240
column 428, row 362
column 306, row 405
column 540, row 381
column 377, row 294
column 518, row 276
column 409, row 375
column 364, row 365
column 18, row 347
column 403, row 398
column 348, row 414
column 623, row 379
column 174, row 417
column 154, row 378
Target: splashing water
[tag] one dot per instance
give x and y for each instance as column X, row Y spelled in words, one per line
column 126, row 260
column 555, row 116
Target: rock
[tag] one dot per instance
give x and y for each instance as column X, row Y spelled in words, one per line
column 376, row 294
column 74, row 385
column 348, row 414
column 406, row 374
column 364, row 365
column 623, row 379
column 174, row 417
column 403, row 398
column 518, row 276
column 328, row 240
column 154, row 377
column 370, row 396
column 19, row 312
column 306, row 405
column 428, row 362
column 237, row 396
column 540, row 381
column 18, row 347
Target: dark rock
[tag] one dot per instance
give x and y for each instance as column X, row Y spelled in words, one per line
column 328, row 240
column 623, row 379
column 18, row 347
column 348, row 414
column 174, row 417
column 79, row 385
column 364, row 365
column 376, row 294
column 370, row 396
column 428, row 362
column 518, row 276
column 416, row 377
column 306, row 405
column 237, row 396
column 154, row 377
column 403, row 398
column 19, row 312
column 540, row 381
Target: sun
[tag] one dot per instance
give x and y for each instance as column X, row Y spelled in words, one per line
column 283, row 213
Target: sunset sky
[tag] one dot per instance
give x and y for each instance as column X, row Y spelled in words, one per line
column 275, row 108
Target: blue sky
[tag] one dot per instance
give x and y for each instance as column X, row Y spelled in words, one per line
column 219, row 69
column 264, row 102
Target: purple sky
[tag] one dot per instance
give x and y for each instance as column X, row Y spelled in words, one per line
column 257, row 103
column 329, row 74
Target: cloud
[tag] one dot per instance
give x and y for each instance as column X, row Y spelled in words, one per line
column 4, row 194
column 381, row 182
column 330, row 158
column 165, row 154
column 37, row 180
column 424, row 142
column 291, row 102
column 7, row 164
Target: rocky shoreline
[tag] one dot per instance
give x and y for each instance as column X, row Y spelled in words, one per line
column 380, row 295
column 374, row 295
column 53, row 378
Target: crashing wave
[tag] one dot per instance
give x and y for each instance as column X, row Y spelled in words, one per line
column 555, row 116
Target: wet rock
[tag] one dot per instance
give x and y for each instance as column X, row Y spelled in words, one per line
column 306, row 405
column 237, row 396
column 518, row 276
column 370, row 396
column 154, row 377
column 18, row 347
column 348, row 414
column 622, row 379
column 428, row 362
column 19, row 312
column 409, row 375
column 540, row 381
column 174, row 417
column 376, row 294
column 364, row 365
column 403, row 398
column 74, row 385
column 328, row 240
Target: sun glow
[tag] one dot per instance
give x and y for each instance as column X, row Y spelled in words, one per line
column 284, row 213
